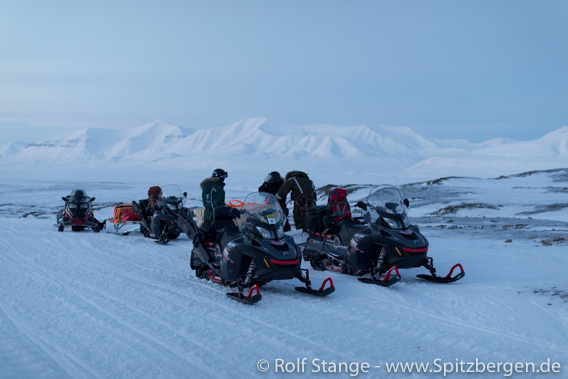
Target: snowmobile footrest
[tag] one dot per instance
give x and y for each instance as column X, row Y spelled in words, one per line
column 447, row 279
column 250, row 298
column 387, row 281
column 321, row 292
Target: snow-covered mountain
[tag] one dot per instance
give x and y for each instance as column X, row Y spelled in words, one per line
column 11, row 148
column 260, row 143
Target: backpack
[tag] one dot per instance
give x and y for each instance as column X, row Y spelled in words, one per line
column 338, row 206
column 154, row 193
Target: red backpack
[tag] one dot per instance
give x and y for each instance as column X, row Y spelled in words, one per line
column 338, row 206
column 154, row 193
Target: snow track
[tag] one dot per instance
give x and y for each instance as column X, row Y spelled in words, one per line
column 101, row 305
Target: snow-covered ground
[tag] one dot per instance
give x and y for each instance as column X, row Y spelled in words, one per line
column 103, row 305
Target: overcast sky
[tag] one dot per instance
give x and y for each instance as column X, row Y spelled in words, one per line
column 456, row 69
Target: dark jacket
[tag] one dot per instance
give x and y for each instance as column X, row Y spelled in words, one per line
column 212, row 195
column 302, row 192
column 298, row 183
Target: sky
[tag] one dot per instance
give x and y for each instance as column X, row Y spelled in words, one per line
column 448, row 69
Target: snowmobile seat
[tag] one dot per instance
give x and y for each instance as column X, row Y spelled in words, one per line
column 316, row 218
column 345, row 229
column 224, row 226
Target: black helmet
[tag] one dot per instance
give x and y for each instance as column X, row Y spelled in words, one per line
column 220, row 173
column 273, row 177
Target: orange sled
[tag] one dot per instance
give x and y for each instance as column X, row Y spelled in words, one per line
column 124, row 220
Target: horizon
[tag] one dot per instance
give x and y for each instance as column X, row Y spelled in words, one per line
column 26, row 133
column 257, row 146
column 447, row 70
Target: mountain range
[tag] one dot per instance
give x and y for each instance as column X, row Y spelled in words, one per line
column 257, row 142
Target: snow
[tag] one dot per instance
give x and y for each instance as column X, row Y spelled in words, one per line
column 103, row 305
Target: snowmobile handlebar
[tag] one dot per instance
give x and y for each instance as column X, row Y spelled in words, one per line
column 361, row 205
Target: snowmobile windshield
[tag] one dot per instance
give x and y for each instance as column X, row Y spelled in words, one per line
column 386, row 206
column 78, row 203
column 261, row 213
column 172, row 197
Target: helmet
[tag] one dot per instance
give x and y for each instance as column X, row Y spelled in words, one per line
column 220, row 173
column 273, row 177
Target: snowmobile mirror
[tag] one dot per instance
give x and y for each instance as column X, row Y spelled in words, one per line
column 185, row 194
column 407, row 203
column 361, row 205
column 64, row 198
column 92, row 199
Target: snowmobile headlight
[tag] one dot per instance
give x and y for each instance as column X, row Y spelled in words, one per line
column 84, row 205
column 280, row 231
column 393, row 224
column 72, row 205
column 173, row 207
column 264, row 233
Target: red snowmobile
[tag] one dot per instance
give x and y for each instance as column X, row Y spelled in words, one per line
column 78, row 213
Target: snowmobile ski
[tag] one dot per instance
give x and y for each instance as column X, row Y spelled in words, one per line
column 447, row 279
column 249, row 299
column 321, row 292
column 162, row 241
column 387, row 281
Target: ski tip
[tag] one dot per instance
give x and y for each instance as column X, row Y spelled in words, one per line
column 382, row 283
column 317, row 293
column 438, row 279
column 245, row 300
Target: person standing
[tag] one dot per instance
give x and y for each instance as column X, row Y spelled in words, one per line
column 302, row 192
column 213, row 192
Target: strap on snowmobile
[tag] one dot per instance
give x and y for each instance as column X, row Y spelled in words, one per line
column 234, row 203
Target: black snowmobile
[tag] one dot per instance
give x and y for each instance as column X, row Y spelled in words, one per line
column 78, row 213
column 159, row 213
column 246, row 247
column 381, row 242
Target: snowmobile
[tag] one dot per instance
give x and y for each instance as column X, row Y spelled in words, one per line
column 78, row 213
column 160, row 212
column 124, row 220
column 381, row 242
column 246, row 247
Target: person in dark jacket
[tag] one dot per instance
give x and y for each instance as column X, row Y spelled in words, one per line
column 302, row 193
column 213, row 192
column 272, row 184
